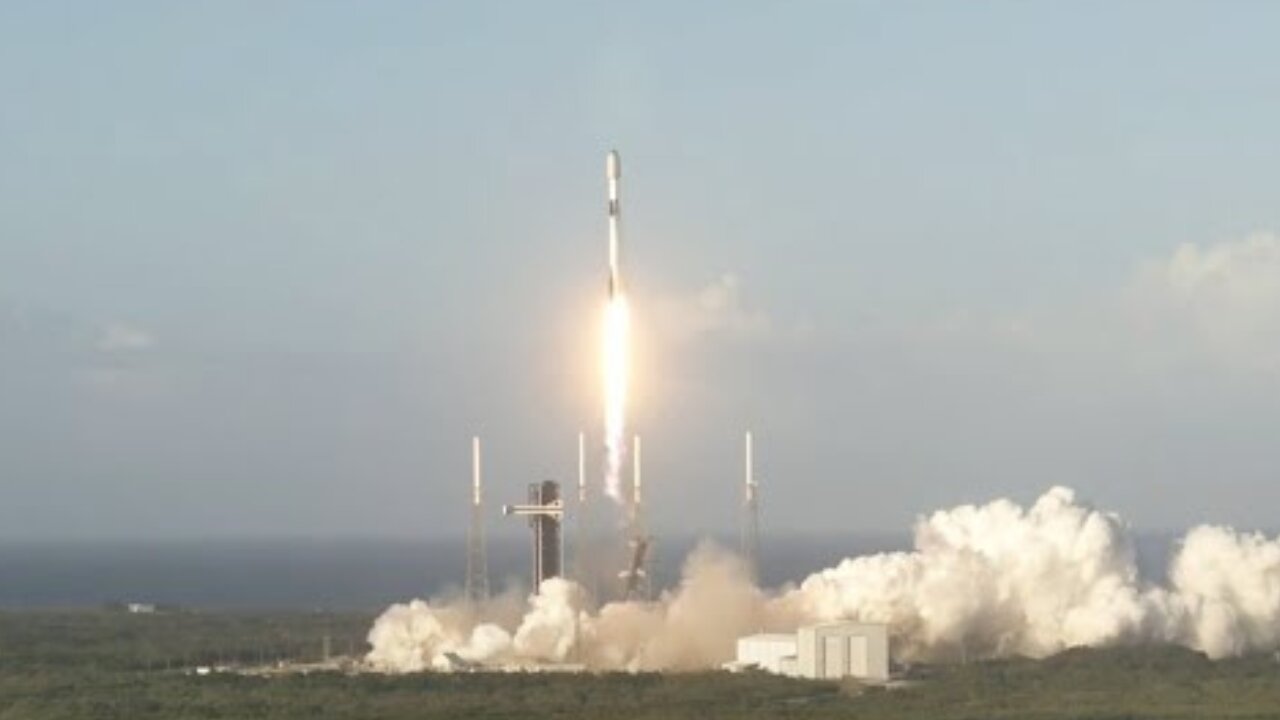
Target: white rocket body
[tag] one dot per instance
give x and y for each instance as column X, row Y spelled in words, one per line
column 613, row 172
column 475, row 471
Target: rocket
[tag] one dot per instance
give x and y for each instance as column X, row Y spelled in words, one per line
column 613, row 172
column 475, row 471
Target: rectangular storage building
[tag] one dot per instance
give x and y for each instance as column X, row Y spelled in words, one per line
column 821, row 652
column 766, row 651
column 859, row 650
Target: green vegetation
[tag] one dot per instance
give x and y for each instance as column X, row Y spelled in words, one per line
column 103, row 666
column 60, row 641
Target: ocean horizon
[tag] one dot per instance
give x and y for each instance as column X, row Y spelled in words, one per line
column 363, row 575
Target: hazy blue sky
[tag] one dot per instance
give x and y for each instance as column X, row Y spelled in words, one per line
column 265, row 267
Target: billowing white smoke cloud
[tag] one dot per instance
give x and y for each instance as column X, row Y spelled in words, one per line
column 1228, row 585
column 982, row 581
column 549, row 632
column 693, row 627
column 994, row 580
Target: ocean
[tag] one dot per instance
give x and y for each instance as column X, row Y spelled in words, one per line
column 356, row 575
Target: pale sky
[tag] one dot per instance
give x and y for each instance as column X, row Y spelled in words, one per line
column 265, row 268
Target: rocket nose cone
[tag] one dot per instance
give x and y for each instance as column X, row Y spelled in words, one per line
column 613, row 165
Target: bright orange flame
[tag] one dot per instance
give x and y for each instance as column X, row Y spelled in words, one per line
column 617, row 328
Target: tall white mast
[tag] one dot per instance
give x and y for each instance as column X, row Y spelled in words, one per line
column 477, row 586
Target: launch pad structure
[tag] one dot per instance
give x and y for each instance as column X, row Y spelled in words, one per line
column 545, row 511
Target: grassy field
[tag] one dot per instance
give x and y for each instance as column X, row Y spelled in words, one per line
column 103, row 665
column 62, row 641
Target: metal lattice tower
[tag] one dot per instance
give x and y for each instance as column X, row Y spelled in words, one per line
column 750, row 514
column 637, row 578
column 582, row 569
column 477, row 555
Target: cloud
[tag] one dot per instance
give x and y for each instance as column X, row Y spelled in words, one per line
column 1207, row 308
column 1219, row 303
column 120, row 337
column 716, row 310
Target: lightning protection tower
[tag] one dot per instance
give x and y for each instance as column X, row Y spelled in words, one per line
column 750, row 514
column 637, row 577
column 477, row 555
column 582, row 556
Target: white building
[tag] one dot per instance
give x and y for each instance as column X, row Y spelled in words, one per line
column 766, row 651
column 821, row 652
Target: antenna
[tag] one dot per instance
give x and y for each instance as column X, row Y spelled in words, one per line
column 477, row 555
column 750, row 512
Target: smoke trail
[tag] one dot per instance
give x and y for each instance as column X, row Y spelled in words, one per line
column 617, row 327
column 982, row 581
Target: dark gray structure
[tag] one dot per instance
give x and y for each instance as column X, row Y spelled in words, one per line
column 545, row 511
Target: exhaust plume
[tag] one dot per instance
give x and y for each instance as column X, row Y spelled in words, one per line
column 988, row 580
column 617, row 328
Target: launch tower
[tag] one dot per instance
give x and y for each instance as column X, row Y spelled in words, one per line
column 477, row 585
column 750, row 514
column 545, row 511
column 636, row 578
